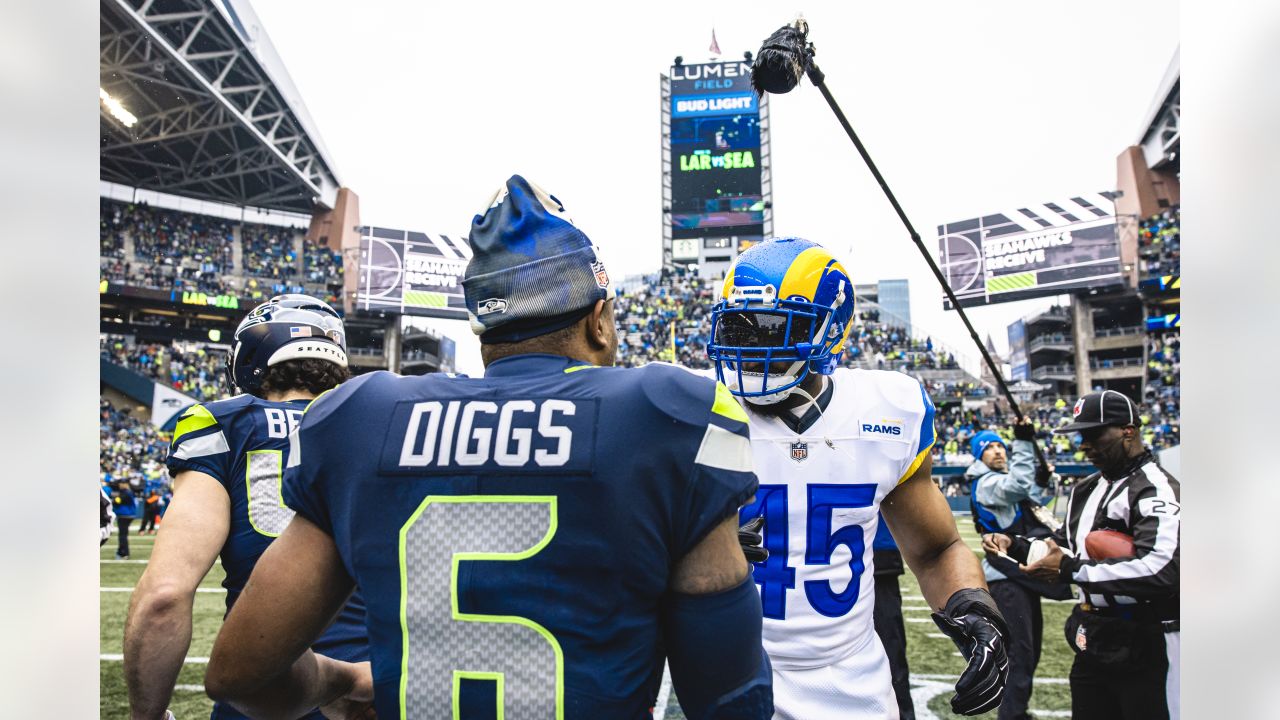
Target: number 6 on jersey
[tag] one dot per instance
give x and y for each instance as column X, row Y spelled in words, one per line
column 444, row 646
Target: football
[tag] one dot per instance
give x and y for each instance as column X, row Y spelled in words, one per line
column 1107, row 544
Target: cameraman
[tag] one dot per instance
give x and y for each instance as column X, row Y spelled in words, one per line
column 1007, row 497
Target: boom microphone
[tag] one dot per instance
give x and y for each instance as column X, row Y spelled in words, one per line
column 786, row 55
column 783, row 58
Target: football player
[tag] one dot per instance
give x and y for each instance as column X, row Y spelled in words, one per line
column 226, row 460
column 832, row 447
column 531, row 543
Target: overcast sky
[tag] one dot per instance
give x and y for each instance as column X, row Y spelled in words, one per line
column 967, row 107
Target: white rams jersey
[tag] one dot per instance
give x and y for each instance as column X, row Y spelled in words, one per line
column 820, row 493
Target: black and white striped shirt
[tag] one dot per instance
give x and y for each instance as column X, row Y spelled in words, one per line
column 1143, row 504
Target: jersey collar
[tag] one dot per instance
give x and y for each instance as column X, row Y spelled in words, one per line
column 531, row 364
column 812, row 414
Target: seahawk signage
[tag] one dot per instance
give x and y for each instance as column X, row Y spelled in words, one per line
column 1034, row 251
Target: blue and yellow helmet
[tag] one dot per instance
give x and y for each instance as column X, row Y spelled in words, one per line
column 785, row 300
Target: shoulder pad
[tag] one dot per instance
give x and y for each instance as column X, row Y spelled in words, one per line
column 899, row 390
column 681, row 394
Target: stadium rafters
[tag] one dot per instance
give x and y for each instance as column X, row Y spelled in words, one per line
column 218, row 117
column 1161, row 135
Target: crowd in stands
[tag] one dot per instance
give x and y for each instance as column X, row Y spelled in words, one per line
column 322, row 266
column 196, row 372
column 167, row 237
column 268, row 251
column 188, row 252
column 667, row 318
column 111, row 227
column 1162, row 398
column 880, row 346
column 131, row 450
column 1159, row 243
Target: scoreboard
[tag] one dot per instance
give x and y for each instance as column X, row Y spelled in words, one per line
column 719, row 192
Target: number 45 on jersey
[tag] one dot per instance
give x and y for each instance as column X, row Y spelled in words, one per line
column 775, row 577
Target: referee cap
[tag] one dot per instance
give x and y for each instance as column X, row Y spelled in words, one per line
column 533, row 271
column 1108, row 407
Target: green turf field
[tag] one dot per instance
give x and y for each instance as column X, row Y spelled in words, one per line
column 933, row 658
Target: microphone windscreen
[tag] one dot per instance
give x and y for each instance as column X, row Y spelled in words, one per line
column 780, row 62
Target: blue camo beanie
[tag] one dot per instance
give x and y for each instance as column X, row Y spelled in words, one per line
column 532, row 271
column 981, row 441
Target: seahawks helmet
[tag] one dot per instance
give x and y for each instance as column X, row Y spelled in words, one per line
column 286, row 327
column 785, row 300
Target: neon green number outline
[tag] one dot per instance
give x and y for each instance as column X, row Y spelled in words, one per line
column 248, row 485
column 475, row 617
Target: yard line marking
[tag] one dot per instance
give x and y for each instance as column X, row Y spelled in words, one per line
column 200, row 689
column 117, row 657
column 1048, row 600
column 937, row 635
column 137, row 562
column 129, row 590
column 953, row 678
column 919, row 620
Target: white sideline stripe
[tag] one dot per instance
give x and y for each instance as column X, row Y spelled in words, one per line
column 937, row 635
column 953, row 678
column 116, row 657
column 920, row 620
column 200, row 689
column 129, row 590
column 138, row 562
column 1071, row 601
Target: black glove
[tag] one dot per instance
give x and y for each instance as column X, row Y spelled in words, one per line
column 974, row 623
column 1043, row 474
column 751, row 539
column 1024, row 431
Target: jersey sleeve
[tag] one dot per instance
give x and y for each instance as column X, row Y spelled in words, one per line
column 200, row 443
column 922, row 430
column 722, row 477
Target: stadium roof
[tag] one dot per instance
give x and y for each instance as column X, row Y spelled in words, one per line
column 1161, row 134
column 217, row 115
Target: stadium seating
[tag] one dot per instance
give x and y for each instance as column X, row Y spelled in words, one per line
column 170, row 250
column 196, row 371
column 131, row 449
column 1159, row 244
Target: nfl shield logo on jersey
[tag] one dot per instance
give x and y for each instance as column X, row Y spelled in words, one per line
column 799, row 451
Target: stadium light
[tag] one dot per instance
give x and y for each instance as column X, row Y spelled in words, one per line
column 117, row 110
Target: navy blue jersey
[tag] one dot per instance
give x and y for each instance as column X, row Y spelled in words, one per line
column 243, row 442
column 513, row 535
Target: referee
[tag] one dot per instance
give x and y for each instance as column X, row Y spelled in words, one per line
column 1125, row 630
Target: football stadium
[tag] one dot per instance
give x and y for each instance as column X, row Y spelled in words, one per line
column 218, row 193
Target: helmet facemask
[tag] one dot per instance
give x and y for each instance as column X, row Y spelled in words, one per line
column 764, row 348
